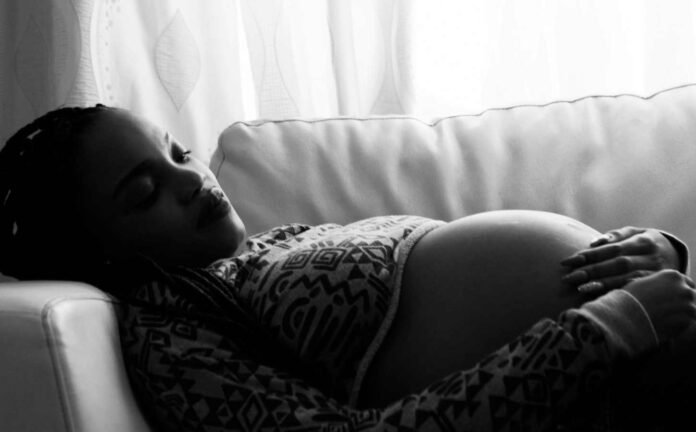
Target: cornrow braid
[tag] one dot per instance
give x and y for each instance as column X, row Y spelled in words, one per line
column 36, row 193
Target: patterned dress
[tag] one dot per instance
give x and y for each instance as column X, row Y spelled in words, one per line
column 324, row 297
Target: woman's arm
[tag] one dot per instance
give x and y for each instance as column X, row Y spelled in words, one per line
column 197, row 381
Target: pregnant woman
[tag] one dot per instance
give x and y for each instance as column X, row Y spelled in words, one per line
column 512, row 320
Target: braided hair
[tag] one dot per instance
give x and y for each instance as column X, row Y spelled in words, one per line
column 40, row 232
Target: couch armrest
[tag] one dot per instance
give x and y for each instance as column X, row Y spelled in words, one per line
column 61, row 367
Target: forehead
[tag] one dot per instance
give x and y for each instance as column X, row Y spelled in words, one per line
column 118, row 130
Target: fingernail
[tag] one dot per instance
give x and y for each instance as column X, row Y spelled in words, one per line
column 573, row 261
column 591, row 287
column 575, row 277
column 600, row 239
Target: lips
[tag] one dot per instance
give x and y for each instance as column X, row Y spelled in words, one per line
column 214, row 207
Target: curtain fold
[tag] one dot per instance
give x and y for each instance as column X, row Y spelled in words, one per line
column 195, row 67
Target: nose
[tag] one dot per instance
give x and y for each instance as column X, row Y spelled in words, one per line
column 189, row 184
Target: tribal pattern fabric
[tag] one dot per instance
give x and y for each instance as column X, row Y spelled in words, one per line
column 326, row 292
column 322, row 295
column 191, row 378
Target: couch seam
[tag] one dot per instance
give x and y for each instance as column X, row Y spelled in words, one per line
column 223, row 158
column 262, row 122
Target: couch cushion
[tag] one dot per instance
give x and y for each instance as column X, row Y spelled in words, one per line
column 606, row 160
column 60, row 363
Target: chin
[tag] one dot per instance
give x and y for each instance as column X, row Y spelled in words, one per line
column 228, row 241
column 238, row 230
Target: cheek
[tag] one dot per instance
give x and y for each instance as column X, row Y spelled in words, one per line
column 149, row 232
column 96, row 224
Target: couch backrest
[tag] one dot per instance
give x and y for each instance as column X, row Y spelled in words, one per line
column 608, row 161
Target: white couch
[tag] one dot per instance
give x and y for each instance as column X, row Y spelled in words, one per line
column 608, row 161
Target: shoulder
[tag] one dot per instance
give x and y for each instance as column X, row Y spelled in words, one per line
column 275, row 235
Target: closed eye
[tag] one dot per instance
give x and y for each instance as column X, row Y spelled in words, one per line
column 147, row 202
column 142, row 193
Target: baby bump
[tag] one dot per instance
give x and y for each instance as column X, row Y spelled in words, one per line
column 468, row 288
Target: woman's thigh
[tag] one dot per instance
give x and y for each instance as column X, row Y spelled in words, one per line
column 468, row 288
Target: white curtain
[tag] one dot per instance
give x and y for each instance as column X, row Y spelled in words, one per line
column 196, row 66
column 471, row 55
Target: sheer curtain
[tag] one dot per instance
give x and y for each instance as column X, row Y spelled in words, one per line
column 196, row 66
column 472, row 55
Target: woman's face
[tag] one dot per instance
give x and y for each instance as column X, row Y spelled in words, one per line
column 141, row 193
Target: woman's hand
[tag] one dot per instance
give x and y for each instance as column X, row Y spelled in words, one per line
column 618, row 257
column 669, row 299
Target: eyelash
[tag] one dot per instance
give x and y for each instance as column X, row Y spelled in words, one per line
column 183, row 157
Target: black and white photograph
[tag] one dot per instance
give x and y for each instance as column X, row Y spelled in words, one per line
column 347, row 215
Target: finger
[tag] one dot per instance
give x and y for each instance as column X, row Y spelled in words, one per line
column 601, row 240
column 604, row 285
column 634, row 245
column 616, row 235
column 593, row 287
column 588, row 256
column 617, row 266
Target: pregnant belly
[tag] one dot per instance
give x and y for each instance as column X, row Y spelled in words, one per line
column 470, row 287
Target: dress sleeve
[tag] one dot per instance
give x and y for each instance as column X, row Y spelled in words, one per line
column 190, row 381
column 682, row 251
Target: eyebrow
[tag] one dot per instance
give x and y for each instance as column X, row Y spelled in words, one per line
column 136, row 172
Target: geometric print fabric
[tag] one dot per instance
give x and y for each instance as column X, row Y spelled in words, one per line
column 209, row 383
column 322, row 292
